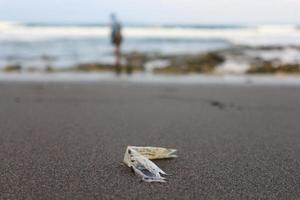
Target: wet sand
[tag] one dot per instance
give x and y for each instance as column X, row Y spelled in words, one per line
column 67, row 140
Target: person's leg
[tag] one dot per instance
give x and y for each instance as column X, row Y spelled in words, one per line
column 118, row 59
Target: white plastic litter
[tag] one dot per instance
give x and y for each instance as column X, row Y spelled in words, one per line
column 139, row 159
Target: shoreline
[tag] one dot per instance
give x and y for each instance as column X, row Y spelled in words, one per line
column 230, row 79
column 232, row 60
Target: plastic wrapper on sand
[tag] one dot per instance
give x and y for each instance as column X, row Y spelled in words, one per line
column 139, row 159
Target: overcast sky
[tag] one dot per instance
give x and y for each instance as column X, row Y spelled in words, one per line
column 153, row 11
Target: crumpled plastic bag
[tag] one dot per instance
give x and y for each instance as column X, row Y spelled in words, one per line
column 139, row 159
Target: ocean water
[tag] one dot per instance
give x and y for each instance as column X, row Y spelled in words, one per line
column 63, row 45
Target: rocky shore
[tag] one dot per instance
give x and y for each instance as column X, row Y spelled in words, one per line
column 257, row 60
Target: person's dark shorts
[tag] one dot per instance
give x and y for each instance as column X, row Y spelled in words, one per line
column 117, row 39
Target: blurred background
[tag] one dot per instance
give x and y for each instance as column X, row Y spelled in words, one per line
column 216, row 79
column 160, row 37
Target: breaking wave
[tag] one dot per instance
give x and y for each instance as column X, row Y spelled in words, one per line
column 242, row 35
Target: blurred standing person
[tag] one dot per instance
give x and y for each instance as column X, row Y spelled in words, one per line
column 116, row 40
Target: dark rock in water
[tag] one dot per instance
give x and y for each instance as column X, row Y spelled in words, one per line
column 32, row 69
column 269, row 48
column 13, row 68
column 262, row 66
column 203, row 63
column 49, row 69
column 136, row 59
column 289, row 68
column 212, row 59
column 272, row 67
column 94, row 67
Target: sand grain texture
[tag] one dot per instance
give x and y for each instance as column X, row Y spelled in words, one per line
column 67, row 140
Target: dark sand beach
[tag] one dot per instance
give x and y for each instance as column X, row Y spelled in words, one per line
column 66, row 140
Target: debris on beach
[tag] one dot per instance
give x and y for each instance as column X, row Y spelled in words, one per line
column 139, row 159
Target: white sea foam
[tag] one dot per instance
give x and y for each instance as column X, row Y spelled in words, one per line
column 255, row 35
column 7, row 25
